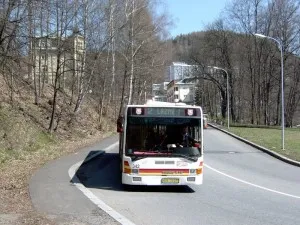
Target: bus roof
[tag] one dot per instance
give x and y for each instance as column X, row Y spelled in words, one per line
column 158, row 103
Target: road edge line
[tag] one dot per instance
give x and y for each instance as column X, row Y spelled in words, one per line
column 251, row 184
column 99, row 203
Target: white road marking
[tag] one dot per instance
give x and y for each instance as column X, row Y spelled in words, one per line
column 114, row 214
column 251, row 184
column 122, row 219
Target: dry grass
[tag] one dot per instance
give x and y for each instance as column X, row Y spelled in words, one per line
column 15, row 175
column 25, row 146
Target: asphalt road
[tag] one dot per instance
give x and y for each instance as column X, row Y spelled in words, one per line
column 242, row 185
column 53, row 193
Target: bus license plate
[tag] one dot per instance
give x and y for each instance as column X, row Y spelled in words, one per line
column 170, row 180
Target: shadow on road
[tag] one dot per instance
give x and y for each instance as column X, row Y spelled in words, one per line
column 102, row 172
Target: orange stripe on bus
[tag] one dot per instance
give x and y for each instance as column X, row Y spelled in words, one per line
column 198, row 171
column 127, row 170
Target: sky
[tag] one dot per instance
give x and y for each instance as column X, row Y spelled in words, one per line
column 193, row 15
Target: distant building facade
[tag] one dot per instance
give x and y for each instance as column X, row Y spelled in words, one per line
column 178, row 91
column 179, row 71
column 52, row 55
column 159, row 92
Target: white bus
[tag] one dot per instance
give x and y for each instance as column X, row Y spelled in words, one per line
column 152, row 148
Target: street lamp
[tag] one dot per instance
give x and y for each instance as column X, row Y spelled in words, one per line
column 282, row 83
column 227, row 87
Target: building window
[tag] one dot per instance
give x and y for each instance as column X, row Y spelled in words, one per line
column 42, row 43
column 44, row 68
column 45, row 43
column 176, row 96
column 176, row 88
column 79, row 45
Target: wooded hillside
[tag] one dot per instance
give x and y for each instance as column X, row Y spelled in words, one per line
column 253, row 64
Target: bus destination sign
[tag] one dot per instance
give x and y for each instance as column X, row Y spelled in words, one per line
column 163, row 112
column 157, row 111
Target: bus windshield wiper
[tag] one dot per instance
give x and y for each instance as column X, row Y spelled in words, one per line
column 136, row 157
column 146, row 154
column 189, row 157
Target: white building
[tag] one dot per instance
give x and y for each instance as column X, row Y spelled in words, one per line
column 179, row 91
column 159, row 92
column 179, row 71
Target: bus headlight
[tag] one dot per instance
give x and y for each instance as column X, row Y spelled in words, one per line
column 192, row 171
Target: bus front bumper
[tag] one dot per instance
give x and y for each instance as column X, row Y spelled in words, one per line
column 131, row 179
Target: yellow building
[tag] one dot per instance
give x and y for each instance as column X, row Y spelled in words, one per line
column 57, row 57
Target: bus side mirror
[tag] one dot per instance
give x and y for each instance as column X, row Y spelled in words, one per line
column 119, row 129
column 120, row 125
column 197, row 145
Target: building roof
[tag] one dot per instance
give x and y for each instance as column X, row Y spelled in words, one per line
column 157, row 103
column 179, row 64
column 179, row 82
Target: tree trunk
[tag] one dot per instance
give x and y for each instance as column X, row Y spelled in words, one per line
column 112, row 34
column 123, row 91
column 101, row 103
column 223, row 103
column 53, row 112
column 131, row 56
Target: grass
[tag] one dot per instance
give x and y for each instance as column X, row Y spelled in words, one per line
column 19, row 136
column 271, row 139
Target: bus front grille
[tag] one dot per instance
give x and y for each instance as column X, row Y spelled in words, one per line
column 161, row 162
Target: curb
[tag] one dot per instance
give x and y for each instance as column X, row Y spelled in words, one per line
column 268, row 151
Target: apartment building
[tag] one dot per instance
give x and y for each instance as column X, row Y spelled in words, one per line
column 63, row 56
column 179, row 84
column 178, row 91
column 179, row 71
column 159, row 92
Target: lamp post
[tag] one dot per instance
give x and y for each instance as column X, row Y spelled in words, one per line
column 227, row 87
column 282, row 84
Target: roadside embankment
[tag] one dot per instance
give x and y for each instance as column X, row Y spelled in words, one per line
column 269, row 141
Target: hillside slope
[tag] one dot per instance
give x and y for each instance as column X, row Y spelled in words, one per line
column 25, row 144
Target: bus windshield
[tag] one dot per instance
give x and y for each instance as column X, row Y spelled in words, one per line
column 163, row 136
